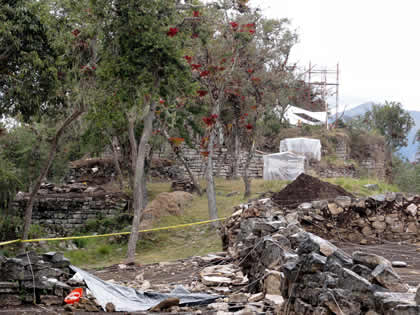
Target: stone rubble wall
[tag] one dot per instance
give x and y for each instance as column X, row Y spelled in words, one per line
column 222, row 163
column 27, row 274
column 312, row 275
column 63, row 213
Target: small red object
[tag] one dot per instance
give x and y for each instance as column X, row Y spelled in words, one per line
column 74, row 296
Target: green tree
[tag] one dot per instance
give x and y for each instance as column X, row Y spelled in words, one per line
column 391, row 121
column 141, row 64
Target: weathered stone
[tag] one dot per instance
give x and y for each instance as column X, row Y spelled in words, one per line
column 320, row 204
column 219, row 306
column 51, row 300
column 9, row 287
column 397, row 227
column 335, row 209
column 313, row 262
column 390, row 196
column 367, row 231
column 256, row 297
column 412, row 227
column 380, row 226
column 10, row 300
column 370, row 260
column 273, row 282
column 238, row 298
column 305, row 206
column 417, row 297
column 109, row 307
column 274, row 299
column 411, row 209
column 384, row 275
column 405, row 310
column 389, row 219
column 378, row 198
column 215, row 281
column 343, row 201
column 338, row 302
column 386, row 301
column 363, row 271
column 399, row 264
column 350, row 280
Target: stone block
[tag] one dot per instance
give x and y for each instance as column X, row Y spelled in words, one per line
column 411, row 210
column 370, row 260
column 386, row 277
column 335, row 209
column 7, row 300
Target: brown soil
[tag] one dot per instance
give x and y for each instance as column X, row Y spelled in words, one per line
column 306, row 188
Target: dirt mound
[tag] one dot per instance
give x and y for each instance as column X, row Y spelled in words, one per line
column 306, row 188
column 164, row 204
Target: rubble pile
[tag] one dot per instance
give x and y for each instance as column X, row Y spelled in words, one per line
column 311, row 274
column 372, row 220
column 183, row 184
column 93, row 171
column 32, row 278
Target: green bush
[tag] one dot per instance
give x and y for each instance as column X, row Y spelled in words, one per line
column 10, row 227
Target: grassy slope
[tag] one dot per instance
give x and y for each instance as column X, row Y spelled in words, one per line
column 195, row 240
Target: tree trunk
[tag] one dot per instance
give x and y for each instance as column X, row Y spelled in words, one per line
column 181, row 158
column 246, row 178
column 235, row 157
column 114, row 145
column 138, row 192
column 44, row 172
column 133, row 148
column 211, row 193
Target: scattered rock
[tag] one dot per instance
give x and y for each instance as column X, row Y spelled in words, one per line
column 399, row 264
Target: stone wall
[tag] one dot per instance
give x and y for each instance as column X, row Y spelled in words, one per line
column 222, row 163
column 63, row 213
column 372, row 164
column 311, row 275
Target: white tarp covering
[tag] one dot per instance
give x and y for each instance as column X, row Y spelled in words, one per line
column 131, row 300
column 292, row 116
column 283, row 166
column 310, row 148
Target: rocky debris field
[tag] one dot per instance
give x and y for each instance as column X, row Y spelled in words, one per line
column 311, row 274
column 213, row 274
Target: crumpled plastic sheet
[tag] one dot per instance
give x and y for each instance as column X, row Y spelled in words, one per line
column 131, row 300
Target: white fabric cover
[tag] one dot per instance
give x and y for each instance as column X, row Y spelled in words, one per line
column 283, row 166
column 310, row 148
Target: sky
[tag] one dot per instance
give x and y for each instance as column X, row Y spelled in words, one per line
column 375, row 42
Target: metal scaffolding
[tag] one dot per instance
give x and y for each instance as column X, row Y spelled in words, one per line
column 328, row 82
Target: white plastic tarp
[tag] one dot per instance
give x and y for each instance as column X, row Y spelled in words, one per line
column 283, row 166
column 131, row 300
column 310, row 148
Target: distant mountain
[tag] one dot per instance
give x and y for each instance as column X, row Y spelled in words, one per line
column 409, row 151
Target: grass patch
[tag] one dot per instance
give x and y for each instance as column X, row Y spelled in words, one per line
column 355, row 186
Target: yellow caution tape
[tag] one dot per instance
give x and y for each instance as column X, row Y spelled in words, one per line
column 109, row 234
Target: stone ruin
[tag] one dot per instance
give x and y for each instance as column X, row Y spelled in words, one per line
column 32, row 278
column 61, row 209
column 309, row 274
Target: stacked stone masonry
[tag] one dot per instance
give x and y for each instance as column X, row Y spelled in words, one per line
column 282, row 258
column 373, row 166
column 63, row 213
